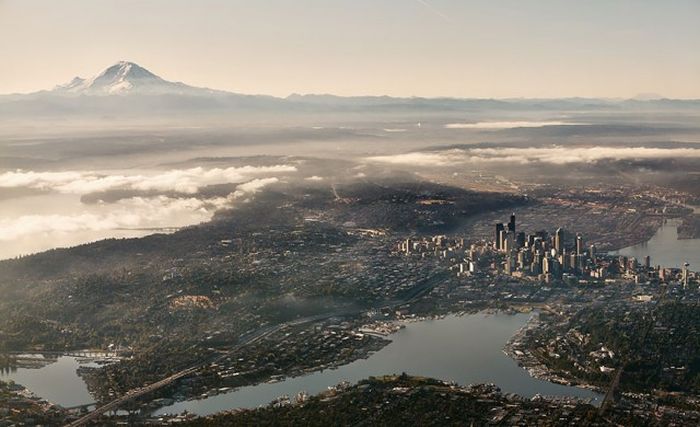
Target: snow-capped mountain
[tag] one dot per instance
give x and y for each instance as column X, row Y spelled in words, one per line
column 125, row 78
column 128, row 91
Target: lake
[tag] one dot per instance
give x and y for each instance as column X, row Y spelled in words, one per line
column 466, row 349
column 57, row 382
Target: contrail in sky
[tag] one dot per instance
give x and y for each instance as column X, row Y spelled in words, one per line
column 434, row 10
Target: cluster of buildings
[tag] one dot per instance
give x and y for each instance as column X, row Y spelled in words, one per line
column 18, row 406
column 562, row 256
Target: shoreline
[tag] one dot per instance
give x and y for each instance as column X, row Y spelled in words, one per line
column 516, row 350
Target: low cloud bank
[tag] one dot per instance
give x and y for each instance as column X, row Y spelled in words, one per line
column 186, row 181
column 553, row 155
column 136, row 212
column 508, row 125
column 131, row 213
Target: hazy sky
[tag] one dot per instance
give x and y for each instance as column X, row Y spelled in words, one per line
column 490, row 48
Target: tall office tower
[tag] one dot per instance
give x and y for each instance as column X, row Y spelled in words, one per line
column 520, row 240
column 546, row 265
column 409, row 246
column 502, row 239
column 511, row 224
column 530, row 240
column 555, row 268
column 685, row 275
column 559, row 240
column 536, row 266
column 565, row 264
column 593, row 252
column 508, row 243
column 579, row 244
column 647, row 263
column 573, row 262
column 622, row 262
column 499, row 228
column 581, row 263
column 510, row 263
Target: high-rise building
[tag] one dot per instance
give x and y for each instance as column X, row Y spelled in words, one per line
column 511, row 224
column 546, row 265
column 555, row 269
column 508, row 244
column 622, row 262
column 593, row 252
column 530, row 240
column 559, row 240
column 647, row 263
column 510, row 264
column 520, row 240
column 521, row 259
column 573, row 262
column 685, row 275
column 565, row 261
column 579, row 244
column 499, row 229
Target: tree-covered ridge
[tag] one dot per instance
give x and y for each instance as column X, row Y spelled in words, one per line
column 404, row 400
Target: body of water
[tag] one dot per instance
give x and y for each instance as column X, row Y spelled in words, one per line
column 665, row 249
column 467, row 349
column 57, row 382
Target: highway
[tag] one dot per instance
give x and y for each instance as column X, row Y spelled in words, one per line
column 245, row 340
column 611, row 394
column 135, row 393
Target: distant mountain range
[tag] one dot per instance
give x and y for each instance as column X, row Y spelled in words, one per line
column 127, row 89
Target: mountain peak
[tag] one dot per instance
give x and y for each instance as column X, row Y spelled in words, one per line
column 122, row 78
column 127, row 70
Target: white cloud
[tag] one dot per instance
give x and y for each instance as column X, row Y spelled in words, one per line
column 314, row 178
column 437, row 158
column 131, row 216
column 186, row 181
column 136, row 212
column 253, row 186
column 508, row 125
column 555, row 155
